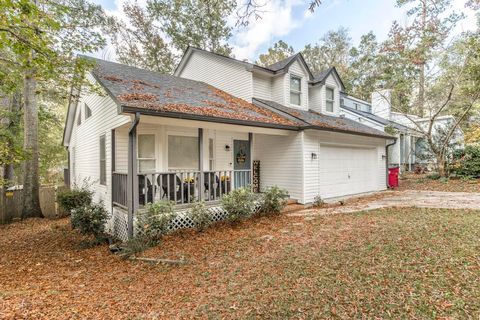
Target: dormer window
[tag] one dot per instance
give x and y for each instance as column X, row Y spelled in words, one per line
column 330, row 99
column 295, row 90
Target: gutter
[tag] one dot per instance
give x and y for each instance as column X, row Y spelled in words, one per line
column 386, row 158
column 132, row 178
column 187, row 116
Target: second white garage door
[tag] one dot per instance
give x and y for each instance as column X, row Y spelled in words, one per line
column 346, row 170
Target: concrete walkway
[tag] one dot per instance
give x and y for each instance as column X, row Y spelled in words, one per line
column 408, row 198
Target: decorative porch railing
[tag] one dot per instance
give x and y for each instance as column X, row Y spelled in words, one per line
column 181, row 187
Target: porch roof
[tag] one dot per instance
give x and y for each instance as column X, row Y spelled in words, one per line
column 138, row 90
column 315, row 120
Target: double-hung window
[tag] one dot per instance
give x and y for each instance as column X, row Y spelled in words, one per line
column 146, row 153
column 330, row 99
column 183, row 152
column 295, row 90
column 103, row 161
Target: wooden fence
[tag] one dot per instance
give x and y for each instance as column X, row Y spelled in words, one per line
column 11, row 203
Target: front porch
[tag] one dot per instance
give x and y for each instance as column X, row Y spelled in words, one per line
column 183, row 161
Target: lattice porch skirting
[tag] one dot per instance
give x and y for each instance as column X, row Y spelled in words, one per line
column 118, row 227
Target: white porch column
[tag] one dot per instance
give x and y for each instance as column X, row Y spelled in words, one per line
column 200, row 163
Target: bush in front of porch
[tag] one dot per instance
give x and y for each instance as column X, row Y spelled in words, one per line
column 239, row 204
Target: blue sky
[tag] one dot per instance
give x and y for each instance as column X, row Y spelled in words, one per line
column 290, row 21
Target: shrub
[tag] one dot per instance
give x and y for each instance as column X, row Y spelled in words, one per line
column 318, row 201
column 434, row 176
column 72, row 199
column 239, row 204
column 155, row 220
column 443, row 180
column 274, row 199
column 91, row 219
column 200, row 216
column 466, row 162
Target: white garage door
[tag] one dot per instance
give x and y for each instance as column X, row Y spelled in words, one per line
column 346, row 170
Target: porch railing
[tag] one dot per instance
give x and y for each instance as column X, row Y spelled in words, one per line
column 119, row 189
column 181, row 187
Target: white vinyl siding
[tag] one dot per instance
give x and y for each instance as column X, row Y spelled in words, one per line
column 262, row 87
column 364, row 156
column 85, row 141
column 278, row 89
column 230, row 76
column 281, row 162
column 315, row 98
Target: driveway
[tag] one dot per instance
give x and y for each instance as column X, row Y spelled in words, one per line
column 408, row 198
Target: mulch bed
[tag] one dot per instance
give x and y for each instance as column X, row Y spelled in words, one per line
column 392, row 263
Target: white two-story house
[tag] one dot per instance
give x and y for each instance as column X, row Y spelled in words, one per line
column 217, row 124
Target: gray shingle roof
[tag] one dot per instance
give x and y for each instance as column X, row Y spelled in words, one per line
column 322, row 75
column 137, row 89
column 320, row 121
column 279, row 65
column 377, row 119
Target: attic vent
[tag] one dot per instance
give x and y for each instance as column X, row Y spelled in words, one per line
column 342, row 115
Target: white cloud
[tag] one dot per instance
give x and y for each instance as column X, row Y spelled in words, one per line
column 277, row 20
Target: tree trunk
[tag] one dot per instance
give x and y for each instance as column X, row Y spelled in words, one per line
column 31, row 184
column 441, row 166
column 421, row 91
column 421, row 78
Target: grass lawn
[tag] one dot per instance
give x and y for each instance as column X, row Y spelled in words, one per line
column 391, row 263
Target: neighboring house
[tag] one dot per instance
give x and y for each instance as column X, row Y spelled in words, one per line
column 410, row 147
column 402, row 152
column 217, row 125
column 440, row 128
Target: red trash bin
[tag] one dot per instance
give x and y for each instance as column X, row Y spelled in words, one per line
column 393, row 177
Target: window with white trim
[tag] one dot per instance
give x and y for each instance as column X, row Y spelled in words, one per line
column 330, row 99
column 183, row 152
column 146, row 153
column 295, row 90
column 103, row 161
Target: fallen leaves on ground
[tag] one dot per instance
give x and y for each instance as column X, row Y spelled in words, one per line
column 411, row 181
column 392, row 263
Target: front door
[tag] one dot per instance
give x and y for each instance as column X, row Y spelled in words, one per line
column 241, row 163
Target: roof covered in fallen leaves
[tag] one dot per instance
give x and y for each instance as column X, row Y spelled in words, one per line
column 146, row 91
column 320, row 121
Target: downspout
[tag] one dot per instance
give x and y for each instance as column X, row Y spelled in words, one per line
column 386, row 158
column 132, row 183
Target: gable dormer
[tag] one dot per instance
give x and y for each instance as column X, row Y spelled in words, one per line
column 324, row 92
column 286, row 82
